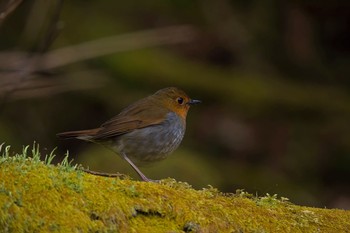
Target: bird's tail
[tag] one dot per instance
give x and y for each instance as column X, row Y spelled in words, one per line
column 79, row 134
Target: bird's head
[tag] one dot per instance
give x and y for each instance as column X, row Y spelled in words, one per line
column 175, row 100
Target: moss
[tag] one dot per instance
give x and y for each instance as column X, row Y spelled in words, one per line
column 38, row 197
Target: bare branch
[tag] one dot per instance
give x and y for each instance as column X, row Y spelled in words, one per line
column 113, row 44
column 9, row 7
column 100, row 47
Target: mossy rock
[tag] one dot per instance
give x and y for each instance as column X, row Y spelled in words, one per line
column 38, row 197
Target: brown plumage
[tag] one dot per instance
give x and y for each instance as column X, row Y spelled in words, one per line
column 146, row 131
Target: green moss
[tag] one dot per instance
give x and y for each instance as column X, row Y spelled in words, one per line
column 38, row 197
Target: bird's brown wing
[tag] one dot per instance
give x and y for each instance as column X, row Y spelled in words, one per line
column 136, row 116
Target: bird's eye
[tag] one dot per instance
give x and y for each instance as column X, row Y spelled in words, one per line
column 180, row 100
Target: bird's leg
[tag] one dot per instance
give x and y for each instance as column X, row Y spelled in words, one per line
column 143, row 177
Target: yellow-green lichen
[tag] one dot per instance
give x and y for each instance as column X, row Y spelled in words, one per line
column 38, row 197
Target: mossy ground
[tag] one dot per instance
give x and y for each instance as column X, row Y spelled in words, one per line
column 38, row 197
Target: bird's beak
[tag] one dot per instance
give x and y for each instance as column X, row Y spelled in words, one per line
column 192, row 102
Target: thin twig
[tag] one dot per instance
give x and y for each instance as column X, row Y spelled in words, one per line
column 8, row 9
column 119, row 43
column 101, row 47
column 111, row 175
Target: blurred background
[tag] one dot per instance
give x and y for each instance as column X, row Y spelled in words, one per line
column 273, row 76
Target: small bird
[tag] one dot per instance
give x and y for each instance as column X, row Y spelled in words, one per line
column 146, row 131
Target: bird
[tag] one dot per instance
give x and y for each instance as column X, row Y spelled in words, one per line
column 144, row 132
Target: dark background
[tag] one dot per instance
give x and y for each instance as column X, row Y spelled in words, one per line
column 273, row 76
